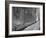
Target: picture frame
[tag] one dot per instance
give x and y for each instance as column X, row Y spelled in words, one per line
column 10, row 11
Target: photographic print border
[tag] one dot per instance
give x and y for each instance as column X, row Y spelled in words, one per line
column 7, row 18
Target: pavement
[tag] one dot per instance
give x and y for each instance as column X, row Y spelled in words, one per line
column 35, row 26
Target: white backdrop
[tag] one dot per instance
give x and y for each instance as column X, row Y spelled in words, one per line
column 2, row 19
